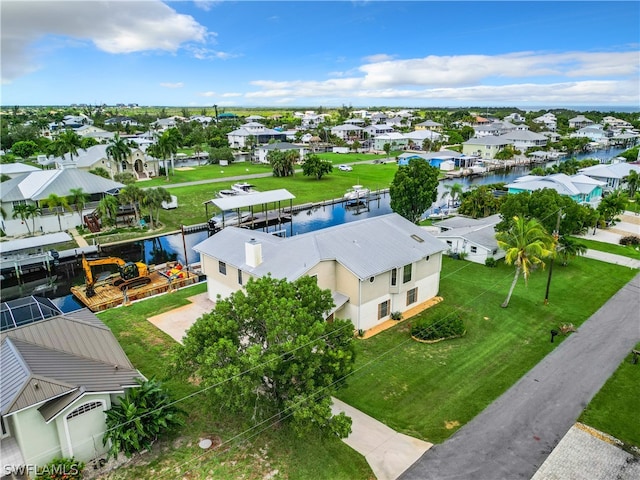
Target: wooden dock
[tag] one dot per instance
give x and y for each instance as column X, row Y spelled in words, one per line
column 109, row 296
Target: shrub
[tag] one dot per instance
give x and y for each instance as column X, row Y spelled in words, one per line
column 491, row 262
column 630, row 240
column 396, row 315
column 447, row 323
column 61, row 468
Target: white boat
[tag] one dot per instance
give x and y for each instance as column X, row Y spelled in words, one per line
column 230, row 217
column 357, row 193
column 241, row 188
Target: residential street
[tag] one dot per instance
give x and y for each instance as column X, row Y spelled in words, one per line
column 513, row 436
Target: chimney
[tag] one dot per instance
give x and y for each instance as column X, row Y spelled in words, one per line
column 253, row 253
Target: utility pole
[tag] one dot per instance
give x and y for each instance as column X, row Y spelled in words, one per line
column 556, row 236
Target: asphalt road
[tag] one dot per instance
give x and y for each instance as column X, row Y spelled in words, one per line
column 512, row 437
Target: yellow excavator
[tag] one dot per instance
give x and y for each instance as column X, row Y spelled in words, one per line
column 131, row 274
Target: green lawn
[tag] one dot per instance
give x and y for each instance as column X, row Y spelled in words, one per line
column 429, row 390
column 615, row 408
column 252, row 455
column 625, row 251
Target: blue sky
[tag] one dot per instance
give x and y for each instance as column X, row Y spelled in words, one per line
column 289, row 54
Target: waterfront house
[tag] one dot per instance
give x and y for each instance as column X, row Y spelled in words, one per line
column 347, row 132
column 475, row 238
column 595, row 133
column 580, row 188
column 524, row 139
column 394, row 139
column 262, row 152
column 485, row 147
column 612, row 174
column 373, row 267
column 241, row 137
column 60, row 373
column 580, row 121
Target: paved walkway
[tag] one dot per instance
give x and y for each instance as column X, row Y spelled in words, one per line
column 612, row 258
column 512, row 437
column 78, row 238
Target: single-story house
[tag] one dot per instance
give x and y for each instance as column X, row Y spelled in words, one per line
column 263, row 151
column 15, row 169
column 417, row 137
column 373, row 267
column 473, row 237
column 60, row 374
column 611, row 174
column 394, row 139
column 443, row 162
column 580, row 188
column 35, row 187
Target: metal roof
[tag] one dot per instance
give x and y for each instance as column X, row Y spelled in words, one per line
column 366, row 247
column 34, row 242
column 56, row 356
column 251, row 199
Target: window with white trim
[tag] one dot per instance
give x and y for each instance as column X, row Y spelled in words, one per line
column 222, row 267
column 406, row 274
column 474, row 249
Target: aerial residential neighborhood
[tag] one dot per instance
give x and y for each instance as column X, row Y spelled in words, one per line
column 311, row 240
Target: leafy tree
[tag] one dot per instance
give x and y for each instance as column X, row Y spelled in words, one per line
column 479, row 202
column 153, row 199
column 467, row 132
column 58, row 204
column 387, row 149
column 101, row 172
column 68, row 142
column 267, row 352
column 220, row 153
column 127, row 178
column 612, row 205
column 24, row 149
column 133, row 195
column 141, row 416
column 88, row 142
column 454, row 191
column 78, row 198
column 413, row 189
column 526, row 245
column 4, row 177
column 316, row 167
column 108, row 209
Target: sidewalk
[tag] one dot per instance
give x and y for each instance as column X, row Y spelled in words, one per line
column 612, row 258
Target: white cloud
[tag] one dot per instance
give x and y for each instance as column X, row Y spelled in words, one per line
column 115, row 27
column 231, row 95
column 172, row 85
column 380, row 57
column 521, row 77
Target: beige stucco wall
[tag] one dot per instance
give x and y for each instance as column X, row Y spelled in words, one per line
column 219, row 284
column 38, row 441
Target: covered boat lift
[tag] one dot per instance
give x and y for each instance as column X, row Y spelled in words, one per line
column 264, row 217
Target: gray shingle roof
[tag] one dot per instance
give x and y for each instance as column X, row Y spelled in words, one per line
column 366, row 247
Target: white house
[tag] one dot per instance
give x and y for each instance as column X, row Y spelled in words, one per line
column 347, row 132
column 524, row 139
column 373, row 267
column 473, row 237
column 612, row 174
column 262, row 152
column 395, row 139
column 260, row 134
column 60, row 373
column 580, row 121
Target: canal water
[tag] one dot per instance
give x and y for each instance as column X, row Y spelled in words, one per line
column 175, row 247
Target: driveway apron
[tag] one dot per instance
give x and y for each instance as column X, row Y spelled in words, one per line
column 514, row 435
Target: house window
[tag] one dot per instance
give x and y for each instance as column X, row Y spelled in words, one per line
column 239, row 277
column 394, row 277
column 5, row 430
column 474, row 249
column 87, row 407
column 412, row 296
column 222, row 268
column 406, row 274
column 450, row 243
column 383, row 309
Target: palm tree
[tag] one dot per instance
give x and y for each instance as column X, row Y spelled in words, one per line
column 78, row 198
column 454, row 191
column 132, row 194
column 633, row 182
column 167, row 147
column 570, row 248
column 68, row 142
column 108, row 209
column 33, row 211
column 118, row 150
column 54, row 202
column 526, row 245
column 21, row 211
column 163, row 195
column 612, row 205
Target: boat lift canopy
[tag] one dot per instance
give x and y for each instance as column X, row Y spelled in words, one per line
column 41, row 241
column 243, row 201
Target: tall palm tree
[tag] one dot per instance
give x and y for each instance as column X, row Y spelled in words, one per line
column 57, row 203
column 118, row 150
column 133, row 195
column 526, row 245
column 33, row 211
column 167, row 147
column 570, row 248
column 78, row 198
column 153, row 199
column 21, row 211
column 454, row 191
column 108, row 209
column 633, row 182
column 68, row 142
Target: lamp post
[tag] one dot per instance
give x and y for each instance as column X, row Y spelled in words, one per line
column 556, row 236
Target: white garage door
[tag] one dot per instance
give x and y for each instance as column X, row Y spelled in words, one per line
column 86, row 426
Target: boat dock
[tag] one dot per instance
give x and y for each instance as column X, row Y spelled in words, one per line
column 108, row 296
